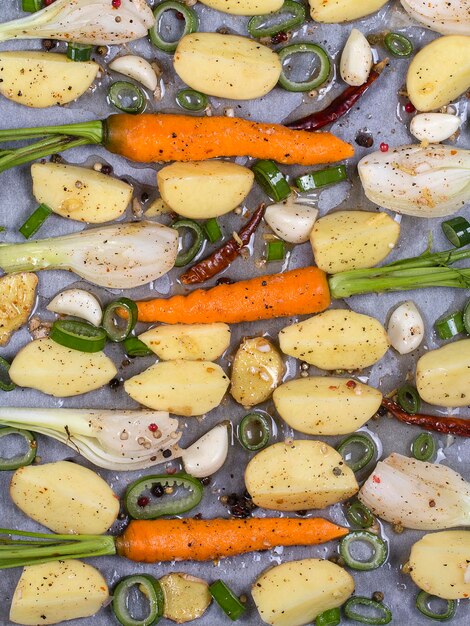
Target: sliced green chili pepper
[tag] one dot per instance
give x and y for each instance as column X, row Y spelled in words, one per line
column 332, row 617
column 315, row 180
column 368, row 445
column 79, row 51
column 31, row 6
column 379, row 547
column 151, row 589
column 191, row 24
column 127, row 97
column 295, row 15
column 35, row 221
column 423, row 447
column 213, row 231
column 408, row 398
column 398, row 45
column 192, row 100
column 133, row 346
column 6, row 384
column 144, row 498
column 18, row 461
column 79, row 336
column 319, row 76
column 457, row 231
column 115, row 326
column 450, row 325
column 186, row 256
column 466, row 317
column 227, row 600
column 254, row 431
column 358, row 514
column 276, row 251
column 271, row 180
column 422, row 604
column 357, row 601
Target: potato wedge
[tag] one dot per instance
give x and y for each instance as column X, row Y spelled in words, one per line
column 51, row 368
column 336, row 340
column 439, row 73
column 348, row 240
column 335, row 11
column 42, row 79
column 186, row 597
column 80, row 193
column 325, row 405
column 439, row 561
column 299, row 475
column 296, row 592
column 191, row 342
column 257, row 370
column 58, row 591
column 66, row 497
column 17, row 299
column 244, row 7
column 180, row 387
column 226, row 66
column 204, row 189
column 443, row 375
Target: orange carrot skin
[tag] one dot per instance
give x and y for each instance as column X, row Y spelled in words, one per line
column 163, row 137
column 297, row 292
column 151, row 541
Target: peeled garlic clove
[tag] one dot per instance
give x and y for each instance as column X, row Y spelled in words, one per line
column 434, row 127
column 136, row 68
column 405, row 328
column 448, row 17
column 291, row 221
column 356, row 60
column 207, row 455
column 78, row 303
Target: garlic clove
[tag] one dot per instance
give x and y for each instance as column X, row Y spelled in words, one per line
column 291, row 221
column 405, row 328
column 78, row 303
column 434, row 127
column 137, row 68
column 207, row 455
column 356, row 60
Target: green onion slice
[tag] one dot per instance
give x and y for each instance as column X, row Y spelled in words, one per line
column 186, row 256
column 227, row 600
column 408, row 398
column 423, row 447
column 117, row 328
column 358, row 514
column 79, row 336
column 384, row 617
column 191, row 24
column 398, row 45
column 318, row 77
column 288, row 17
column 254, row 431
column 148, row 497
column 127, row 97
column 6, row 383
column 133, row 346
column 315, row 180
column 378, row 545
column 79, row 51
column 332, row 617
column 276, row 251
column 213, row 230
column 423, row 600
column 27, row 458
column 192, row 100
column 35, row 221
column 466, row 317
column 369, row 451
column 450, row 325
column 457, row 231
column 151, row 589
column 31, row 6
column 272, row 181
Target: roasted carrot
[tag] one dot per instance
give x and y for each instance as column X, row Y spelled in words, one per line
column 297, row 292
column 205, row 540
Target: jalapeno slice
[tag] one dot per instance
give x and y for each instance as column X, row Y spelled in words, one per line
column 150, row 588
column 6, row 383
column 366, row 443
column 115, row 327
column 78, row 335
column 27, row 458
column 186, row 256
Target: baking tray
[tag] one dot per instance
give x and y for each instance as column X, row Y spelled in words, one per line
column 380, row 113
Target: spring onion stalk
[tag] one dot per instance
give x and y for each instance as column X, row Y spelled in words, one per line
column 121, row 256
column 417, row 494
column 115, row 440
column 448, row 17
column 94, row 22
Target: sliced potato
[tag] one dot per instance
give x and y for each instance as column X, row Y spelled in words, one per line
column 439, row 73
column 227, row 66
column 180, row 387
column 42, row 79
column 192, row 342
column 325, row 405
column 298, row 475
column 244, row 7
column 257, row 370
column 348, row 240
column 58, row 591
column 296, row 592
column 443, row 375
column 186, row 597
column 335, row 11
column 439, row 564
column 51, row 368
column 336, row 340
column 17, row 299
column 80, row 193
column 65, row 497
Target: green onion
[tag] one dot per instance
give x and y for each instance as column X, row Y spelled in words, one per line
column 457, row 231
column 398, row 45
column 314, row 180
column 408, row 398
column 113, row 325
column 254, row 431
column 213, row 231
column 368, row 446
column 318, row 77
column 79, row 336
column 35, row 221
column 150, row 588
column 358, row 514
column 79, row 51
column 450, row 325
column 27, row 458
column 422, row 604
column 127, row 97
column 271, row 180
column 275, row 251
column 227, row 600
column 357, row 601
column 135, row 347
column 294, row 13
column 6, row 383
column 192, row 100
column 145, row 499
column 466, row 317
column 378, row 545
column 186, row 256
column 31, row 6
column 191, row 24
column 332, row 617
column 423, row 447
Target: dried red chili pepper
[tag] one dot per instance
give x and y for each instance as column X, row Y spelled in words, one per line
column 436, row 423
column 340, row 105
column 221, row 258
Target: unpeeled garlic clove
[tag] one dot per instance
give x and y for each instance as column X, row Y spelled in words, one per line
column 405, row 328
column 434, row 127
column 78, row 303
column 207, row 455
column 137, row 68
column 291, row 220
column 356, row 60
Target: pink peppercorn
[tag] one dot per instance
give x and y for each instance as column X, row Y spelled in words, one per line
column 409, row 108
column 384, row 147
column 116, row 4
column 351, row 384
column 143, row 501
column 48, row 2
column 153, row 428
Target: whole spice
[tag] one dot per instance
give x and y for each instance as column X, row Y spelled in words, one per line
column 438, row 424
